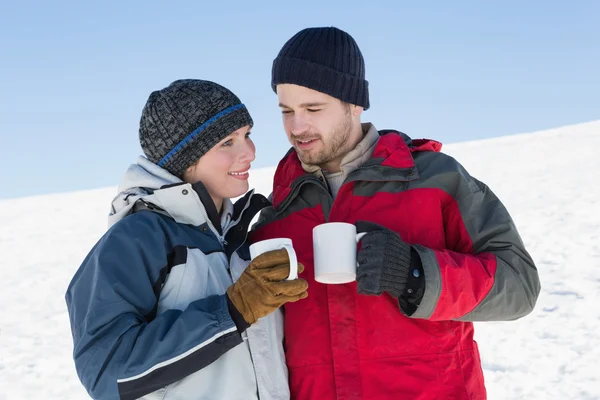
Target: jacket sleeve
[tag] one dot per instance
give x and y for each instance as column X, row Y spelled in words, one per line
column 487, row 275
column 120, row 350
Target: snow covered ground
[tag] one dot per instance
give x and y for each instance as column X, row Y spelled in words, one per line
column 549, row 181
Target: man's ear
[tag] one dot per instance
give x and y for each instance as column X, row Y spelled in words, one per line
column 357, row 110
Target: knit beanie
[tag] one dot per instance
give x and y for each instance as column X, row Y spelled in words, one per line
column 327, row 60
column 183, row 121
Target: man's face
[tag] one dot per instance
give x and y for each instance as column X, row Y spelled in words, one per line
column 321, row 128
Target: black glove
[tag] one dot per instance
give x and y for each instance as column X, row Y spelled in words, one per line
column 387, row 264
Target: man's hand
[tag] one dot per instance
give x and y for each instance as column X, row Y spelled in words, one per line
column 384, row 261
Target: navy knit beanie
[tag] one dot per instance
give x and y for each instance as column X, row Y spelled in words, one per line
column 327, row 60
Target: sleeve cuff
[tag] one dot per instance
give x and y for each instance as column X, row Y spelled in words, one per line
column 237, row 317
column 415, row 285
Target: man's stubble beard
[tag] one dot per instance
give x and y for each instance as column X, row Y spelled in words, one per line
column 337, row 146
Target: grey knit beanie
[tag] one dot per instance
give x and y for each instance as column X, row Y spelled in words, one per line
column 327, row 60
column 183, row 121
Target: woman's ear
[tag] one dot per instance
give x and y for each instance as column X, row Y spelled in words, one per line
column 188, row 174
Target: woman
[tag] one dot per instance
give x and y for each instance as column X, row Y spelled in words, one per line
column 164, row 306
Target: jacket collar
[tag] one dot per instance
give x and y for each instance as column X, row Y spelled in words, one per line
column 391, row 160
column 146, row 185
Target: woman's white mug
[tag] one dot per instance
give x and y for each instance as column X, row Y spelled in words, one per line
column 263, row 246
column 334, row 247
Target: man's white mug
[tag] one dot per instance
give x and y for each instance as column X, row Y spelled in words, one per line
column 334, row 246
column 263, row 246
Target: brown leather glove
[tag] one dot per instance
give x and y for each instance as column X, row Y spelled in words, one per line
column 262, row 289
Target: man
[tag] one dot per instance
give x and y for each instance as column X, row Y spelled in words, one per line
column 441, row 250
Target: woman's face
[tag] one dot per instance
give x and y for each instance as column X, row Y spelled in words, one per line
column 224, row 168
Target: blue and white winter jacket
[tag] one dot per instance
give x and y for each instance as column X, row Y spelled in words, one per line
column 148, row 309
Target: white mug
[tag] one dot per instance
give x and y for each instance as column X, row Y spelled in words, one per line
column 263, row 246
column 334, row 246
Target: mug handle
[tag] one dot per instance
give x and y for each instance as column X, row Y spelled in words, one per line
column 293, row 261
column 358, row 237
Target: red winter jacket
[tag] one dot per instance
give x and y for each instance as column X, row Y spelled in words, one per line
column 342, row 345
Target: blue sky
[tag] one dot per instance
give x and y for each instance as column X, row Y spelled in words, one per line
column 75, row 75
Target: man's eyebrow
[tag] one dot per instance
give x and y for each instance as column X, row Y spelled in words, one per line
column 305, row 105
